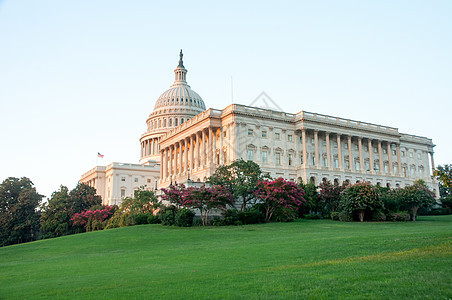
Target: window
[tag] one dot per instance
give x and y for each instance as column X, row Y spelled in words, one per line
column 377, row 165
column 418, row 156
column 224, row 133
column 394, row 152
column 367, row 165
column 312, row 141
column 385, row 151
column 402, row 153
column 123, row 193
column 375, row 150
column 149, row 180
column 313, row 160
column 277, row 136
column 301, row 159
column 357, row 165
column 250, row 154
column 264, row 156
column 290, row 159
column 175, row 122
column 366, row 148
column 324, row 143
column 335, row 144
column 264, row 134
column 404, row 171
column 301, row 140
column 347, row 164
column 346, row 146
column 356, row 147
column 123, row 178
column 135, row 179
column 325, row 161
column 411, row 154
column 386, row 167
column 250, row 132
column 289, row 138
column 336, row 162
column 278, row 158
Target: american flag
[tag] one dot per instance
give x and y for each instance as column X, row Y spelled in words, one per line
column 100, row 155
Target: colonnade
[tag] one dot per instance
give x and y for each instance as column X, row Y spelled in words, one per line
column 150, row 147
column 194, row 152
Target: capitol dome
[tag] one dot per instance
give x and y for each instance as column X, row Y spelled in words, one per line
column 174, row 107
column 180, row 95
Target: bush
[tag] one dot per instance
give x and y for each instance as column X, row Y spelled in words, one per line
column 283, row 214
column 334, row 216
column 345, row 217
column 378, row 216
column 311, row 217
column 184, row 217
column 130, row 220
column 398, row 217
column 436, row 211
column 167, row 215
column 153, row 219
column 231, row 216
column 197, row 222
column 250, row 216
column 141, row 219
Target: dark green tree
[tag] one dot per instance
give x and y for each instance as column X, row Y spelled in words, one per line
column 241, row 178
column 416, row 196
column 57, row 213
column 19, row 217
column 313, row 203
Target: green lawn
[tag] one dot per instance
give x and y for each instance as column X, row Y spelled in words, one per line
column 304, row 259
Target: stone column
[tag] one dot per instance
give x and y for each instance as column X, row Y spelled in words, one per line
column 171, row 160
column 203, row 149
column 339, row 150
column 210, row 150
column 186, row 155
column 328, row 150
column 192, row 153
column 390, row 158
column 214, row 147
column 380, row 156
column 350, row 155
column 432, row 162
column 305, row 154
column 181, row 164
column 316, row 147
column 360, row 149
column 371, row 159
column 399, row 161
column 221, row 146
column 165, row 163
column 197, row 159
column 161, row 165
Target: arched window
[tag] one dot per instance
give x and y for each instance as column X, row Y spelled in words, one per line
column 170, row 122
column 175, row 122
column 181, row 120
column 164, row 122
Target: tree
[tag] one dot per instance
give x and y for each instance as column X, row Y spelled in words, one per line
column 331, row 195
column 359, row 198
column 207, row 198
column 444, row 175
column 174, row 194
column 416, row 196
column 241, row 177
column 279, row 193
column 19, row 217
column 57, row 213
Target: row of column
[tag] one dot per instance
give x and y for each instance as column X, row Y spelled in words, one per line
column 195, row 152
column 350, row 154
column 150, row 147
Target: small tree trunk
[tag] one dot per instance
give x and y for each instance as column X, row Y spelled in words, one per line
column 414, row 210
column 361, row 215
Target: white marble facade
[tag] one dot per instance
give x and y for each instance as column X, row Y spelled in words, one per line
column 184, row 141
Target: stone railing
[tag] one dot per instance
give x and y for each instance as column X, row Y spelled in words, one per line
column 415, row 139
column 304, row 115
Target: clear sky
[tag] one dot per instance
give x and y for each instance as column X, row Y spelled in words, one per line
column 81, row 77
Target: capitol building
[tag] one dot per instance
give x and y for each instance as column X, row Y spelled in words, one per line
column 184, row 142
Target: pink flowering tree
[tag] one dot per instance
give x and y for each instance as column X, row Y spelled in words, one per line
column 361, row 197
column 206, row 199
column 174, row 194
column 279, row 193
column 93, row 219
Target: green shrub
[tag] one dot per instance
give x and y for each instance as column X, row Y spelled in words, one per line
column 398, row 217
column 378, row 216
column 435, row 211
column 334, row 215
column 184, row 217
column 153, row 219
column 141, row 219
column 217, row 221
column 167, row 215
column 283, row 214
column 197, row 221
column 130, row 220
column 230, row 216
column 250, row 216
column 345, row 216
column 311, row 216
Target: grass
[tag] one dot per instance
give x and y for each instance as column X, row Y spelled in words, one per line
column 304, row 259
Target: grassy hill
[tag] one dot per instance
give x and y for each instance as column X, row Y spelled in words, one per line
column 304, row 259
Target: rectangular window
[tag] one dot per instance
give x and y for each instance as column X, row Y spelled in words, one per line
column 357, row 165
column 312, row 141
column 418, row 156
column 290, row 159
column 313, row 160
column 325, row 162
column 289, row 138
column 375, row 150
column 250, row 154
column 335, row 144
column 123, row 179
column 366, row 148
column 411, row 154
column 336, row 163
column 264, row 134
column 264, row 156
column 394, row 152
column 385, row 151
column 277, row 136
column 123, row 193
column 347, row 164
column 356, row 147
column 367, row 165
column 346, row 146
column 324, row 143
column 278, row 158
column 250, row 132
column 135, row 179
column 402, row 153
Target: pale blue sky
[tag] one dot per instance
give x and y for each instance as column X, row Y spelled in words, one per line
column 81, row 77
